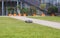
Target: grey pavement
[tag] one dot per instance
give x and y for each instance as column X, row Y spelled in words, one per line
column 41, row 22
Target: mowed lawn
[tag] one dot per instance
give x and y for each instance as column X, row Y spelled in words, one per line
column 12, row 28
column 48, row 18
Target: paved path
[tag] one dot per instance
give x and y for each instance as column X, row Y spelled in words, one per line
column 42, row 22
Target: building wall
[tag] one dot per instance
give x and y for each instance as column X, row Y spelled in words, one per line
column 13, row 3
column 33, row 2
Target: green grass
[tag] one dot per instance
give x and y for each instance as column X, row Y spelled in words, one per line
column 12, row 28
column 48, row 18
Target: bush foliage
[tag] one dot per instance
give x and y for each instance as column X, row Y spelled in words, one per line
column 52, row 9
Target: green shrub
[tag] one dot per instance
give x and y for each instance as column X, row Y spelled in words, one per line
column 52, row 9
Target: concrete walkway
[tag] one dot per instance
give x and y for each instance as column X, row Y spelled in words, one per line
column 42, row 22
